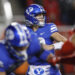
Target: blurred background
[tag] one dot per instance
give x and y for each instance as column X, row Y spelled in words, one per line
column 61, row 12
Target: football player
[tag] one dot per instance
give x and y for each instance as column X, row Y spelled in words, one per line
column 36, row 21
column 13, row 48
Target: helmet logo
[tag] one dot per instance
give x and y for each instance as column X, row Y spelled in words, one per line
column 29, row 10
column 10, row 34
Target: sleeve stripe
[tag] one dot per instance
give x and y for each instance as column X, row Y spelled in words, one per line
column 53, row 28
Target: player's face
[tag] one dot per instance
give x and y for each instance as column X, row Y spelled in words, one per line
column 41, row 18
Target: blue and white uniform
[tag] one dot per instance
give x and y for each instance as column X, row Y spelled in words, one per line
column 18, row 36
column 35, row 16
column 7, row 58
column 38, row 64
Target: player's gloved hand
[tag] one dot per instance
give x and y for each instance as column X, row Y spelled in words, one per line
column 42, row 40
column 58, row 46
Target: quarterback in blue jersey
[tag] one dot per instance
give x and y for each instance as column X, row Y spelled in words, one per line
column 13, row 48
column 36, row 21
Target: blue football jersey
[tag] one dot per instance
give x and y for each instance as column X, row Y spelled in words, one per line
column 34, row 47
column 38, row 64
column 46, row 33
column 6, row 60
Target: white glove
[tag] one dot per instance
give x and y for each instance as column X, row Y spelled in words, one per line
column 42, row 40
column 58, row 45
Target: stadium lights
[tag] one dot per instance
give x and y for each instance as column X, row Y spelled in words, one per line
column 7, row 10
